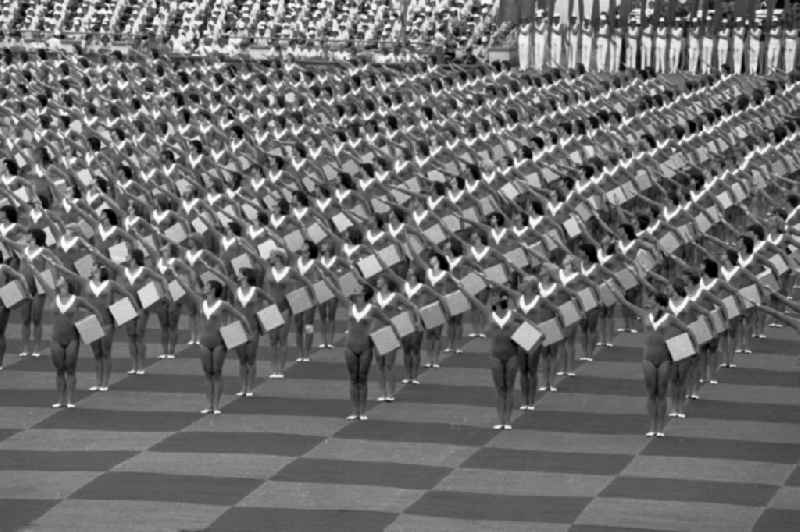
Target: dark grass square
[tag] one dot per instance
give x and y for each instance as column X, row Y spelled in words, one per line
column 597, row 528
column 171, row 383
column 775, row 520
column 34, row 398
column 237, row 442
column 547, row 461
column 61, row 460
column 126, row 421
column 761, row 377
column 7, row 433
column 468, row 360
column 771, row 413
column 455, row 395
column 167, row 488
column 483, row 506
column 291, row 406
column 778, row 453
column 404, row 476
column 400, row 431
column 289, row 520
column 794, row 478
column 619, row 353
column 322, row 370
column 775, row 346
column 662, row 489
column 602, row 386
column 580, row 422
column 16, row 514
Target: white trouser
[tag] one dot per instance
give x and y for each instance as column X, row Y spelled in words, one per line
column 555, row 50
column 694, row 54
column 575, row 51
column 738, row 55
column 614, row 53
column 674, row 54
column 790, row 55
column 773, row 54
column 524, row 47
column 722, row 53
column 586, row 51
column 630, row 53
column 661, row 49
column 601, row 52
column 538, row 51
column 754, row 47
column 647, row 52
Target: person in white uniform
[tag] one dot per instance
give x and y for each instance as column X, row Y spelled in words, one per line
column 631, row 45
column 675, row 48
column 773, row 55
column 661, row 47
column 790, row 37
column 754, row 49
column 695, row 39
column 723, row 45
column 647, row 45
column 587, row 42
column 739, row 32
column 524, row 46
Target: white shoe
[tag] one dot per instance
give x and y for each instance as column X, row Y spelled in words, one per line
column 381, row 399
column 249, row 394
column 650, row 434
column 559, row 373
column 586, row 359
column 279, row 375
column 680, row 415
column 673, row 414
column 23, row 354
column 206, row 411
column 322, row 346
column 390, row 399
column 506, row 427
column 414, row 381
column 570, row 374
column 103, row 388
column 362, row 418
column 70, row 405
column 171, row 356
column 351, row 417
column 435, row 366
column 93, row 388
column 542, row 388
column 659, row 434
column 162, row 356
column 406, row 381
column 140, row 372
column 552, row 389
column 131, row 372
column 35, row 355
column 56, row 405
column 239, row 394
column 497, row 427
column 217, row 412
column 713, row 381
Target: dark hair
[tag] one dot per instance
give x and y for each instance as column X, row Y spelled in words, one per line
column 215, row 287
column 112, row 216
column 137, row 255
column 711, row 268
column 39, row 236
